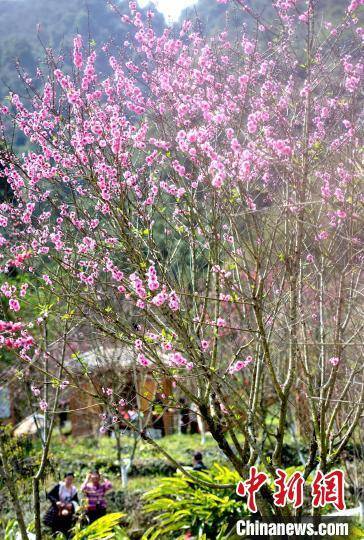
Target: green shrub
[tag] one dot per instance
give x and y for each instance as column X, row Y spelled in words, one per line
column 180, row 504
column 130, row 502
column 152, row 467
column 104, row 528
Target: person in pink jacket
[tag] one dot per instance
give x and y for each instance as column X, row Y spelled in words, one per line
column 95, row 488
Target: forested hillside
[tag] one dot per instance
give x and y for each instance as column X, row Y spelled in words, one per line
column 27, row 25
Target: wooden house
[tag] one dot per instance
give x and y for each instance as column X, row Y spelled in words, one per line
column 116, row 367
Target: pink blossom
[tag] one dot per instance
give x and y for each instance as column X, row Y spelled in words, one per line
column 178, row 359
column 143, row 360
column 174, row 302
column 323, row 235
column 240, row 364
column 245, row 167
column 229, row 133
column 205, row 345
column 248, row 47
column 138, row 344
column 23, row 290
column 354, row 4
column 35, row 390
column 43, row 405
column 14, row 304
column 77, row 54
column 153, row 284
column 252, row 126
column 160, row 299
column 47, row 279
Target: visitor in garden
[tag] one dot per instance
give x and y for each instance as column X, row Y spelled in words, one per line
column 95, row 488
column 64, row 499
column 198, row 464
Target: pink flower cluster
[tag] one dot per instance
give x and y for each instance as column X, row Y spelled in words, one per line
column 143, row 360
column 14, row 336
column 240, row 364
column 138, row 286
column 77, row 52
column 178, row 360
column 153, row 283
column 354, row 4
column 160, row 298
column 14, row 304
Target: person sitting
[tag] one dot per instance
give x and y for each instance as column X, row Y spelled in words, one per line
column 95, row 488
column 198, row 464
column 64, row 499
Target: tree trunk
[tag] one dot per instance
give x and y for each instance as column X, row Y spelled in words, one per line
column 36, row 509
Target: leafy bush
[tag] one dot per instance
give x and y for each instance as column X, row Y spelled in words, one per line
column 181, row 504
column 130, row 502
column 10, row 529
column 152, row 467
column 104, row 528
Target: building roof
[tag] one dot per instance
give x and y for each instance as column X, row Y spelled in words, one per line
column 102, row 358
column 30, row 425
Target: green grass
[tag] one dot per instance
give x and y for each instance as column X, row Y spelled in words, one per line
column 85, row 451
column 139, row 483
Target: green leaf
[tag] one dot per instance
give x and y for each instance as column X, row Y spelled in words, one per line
column 101, row 529
column 180, row 503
